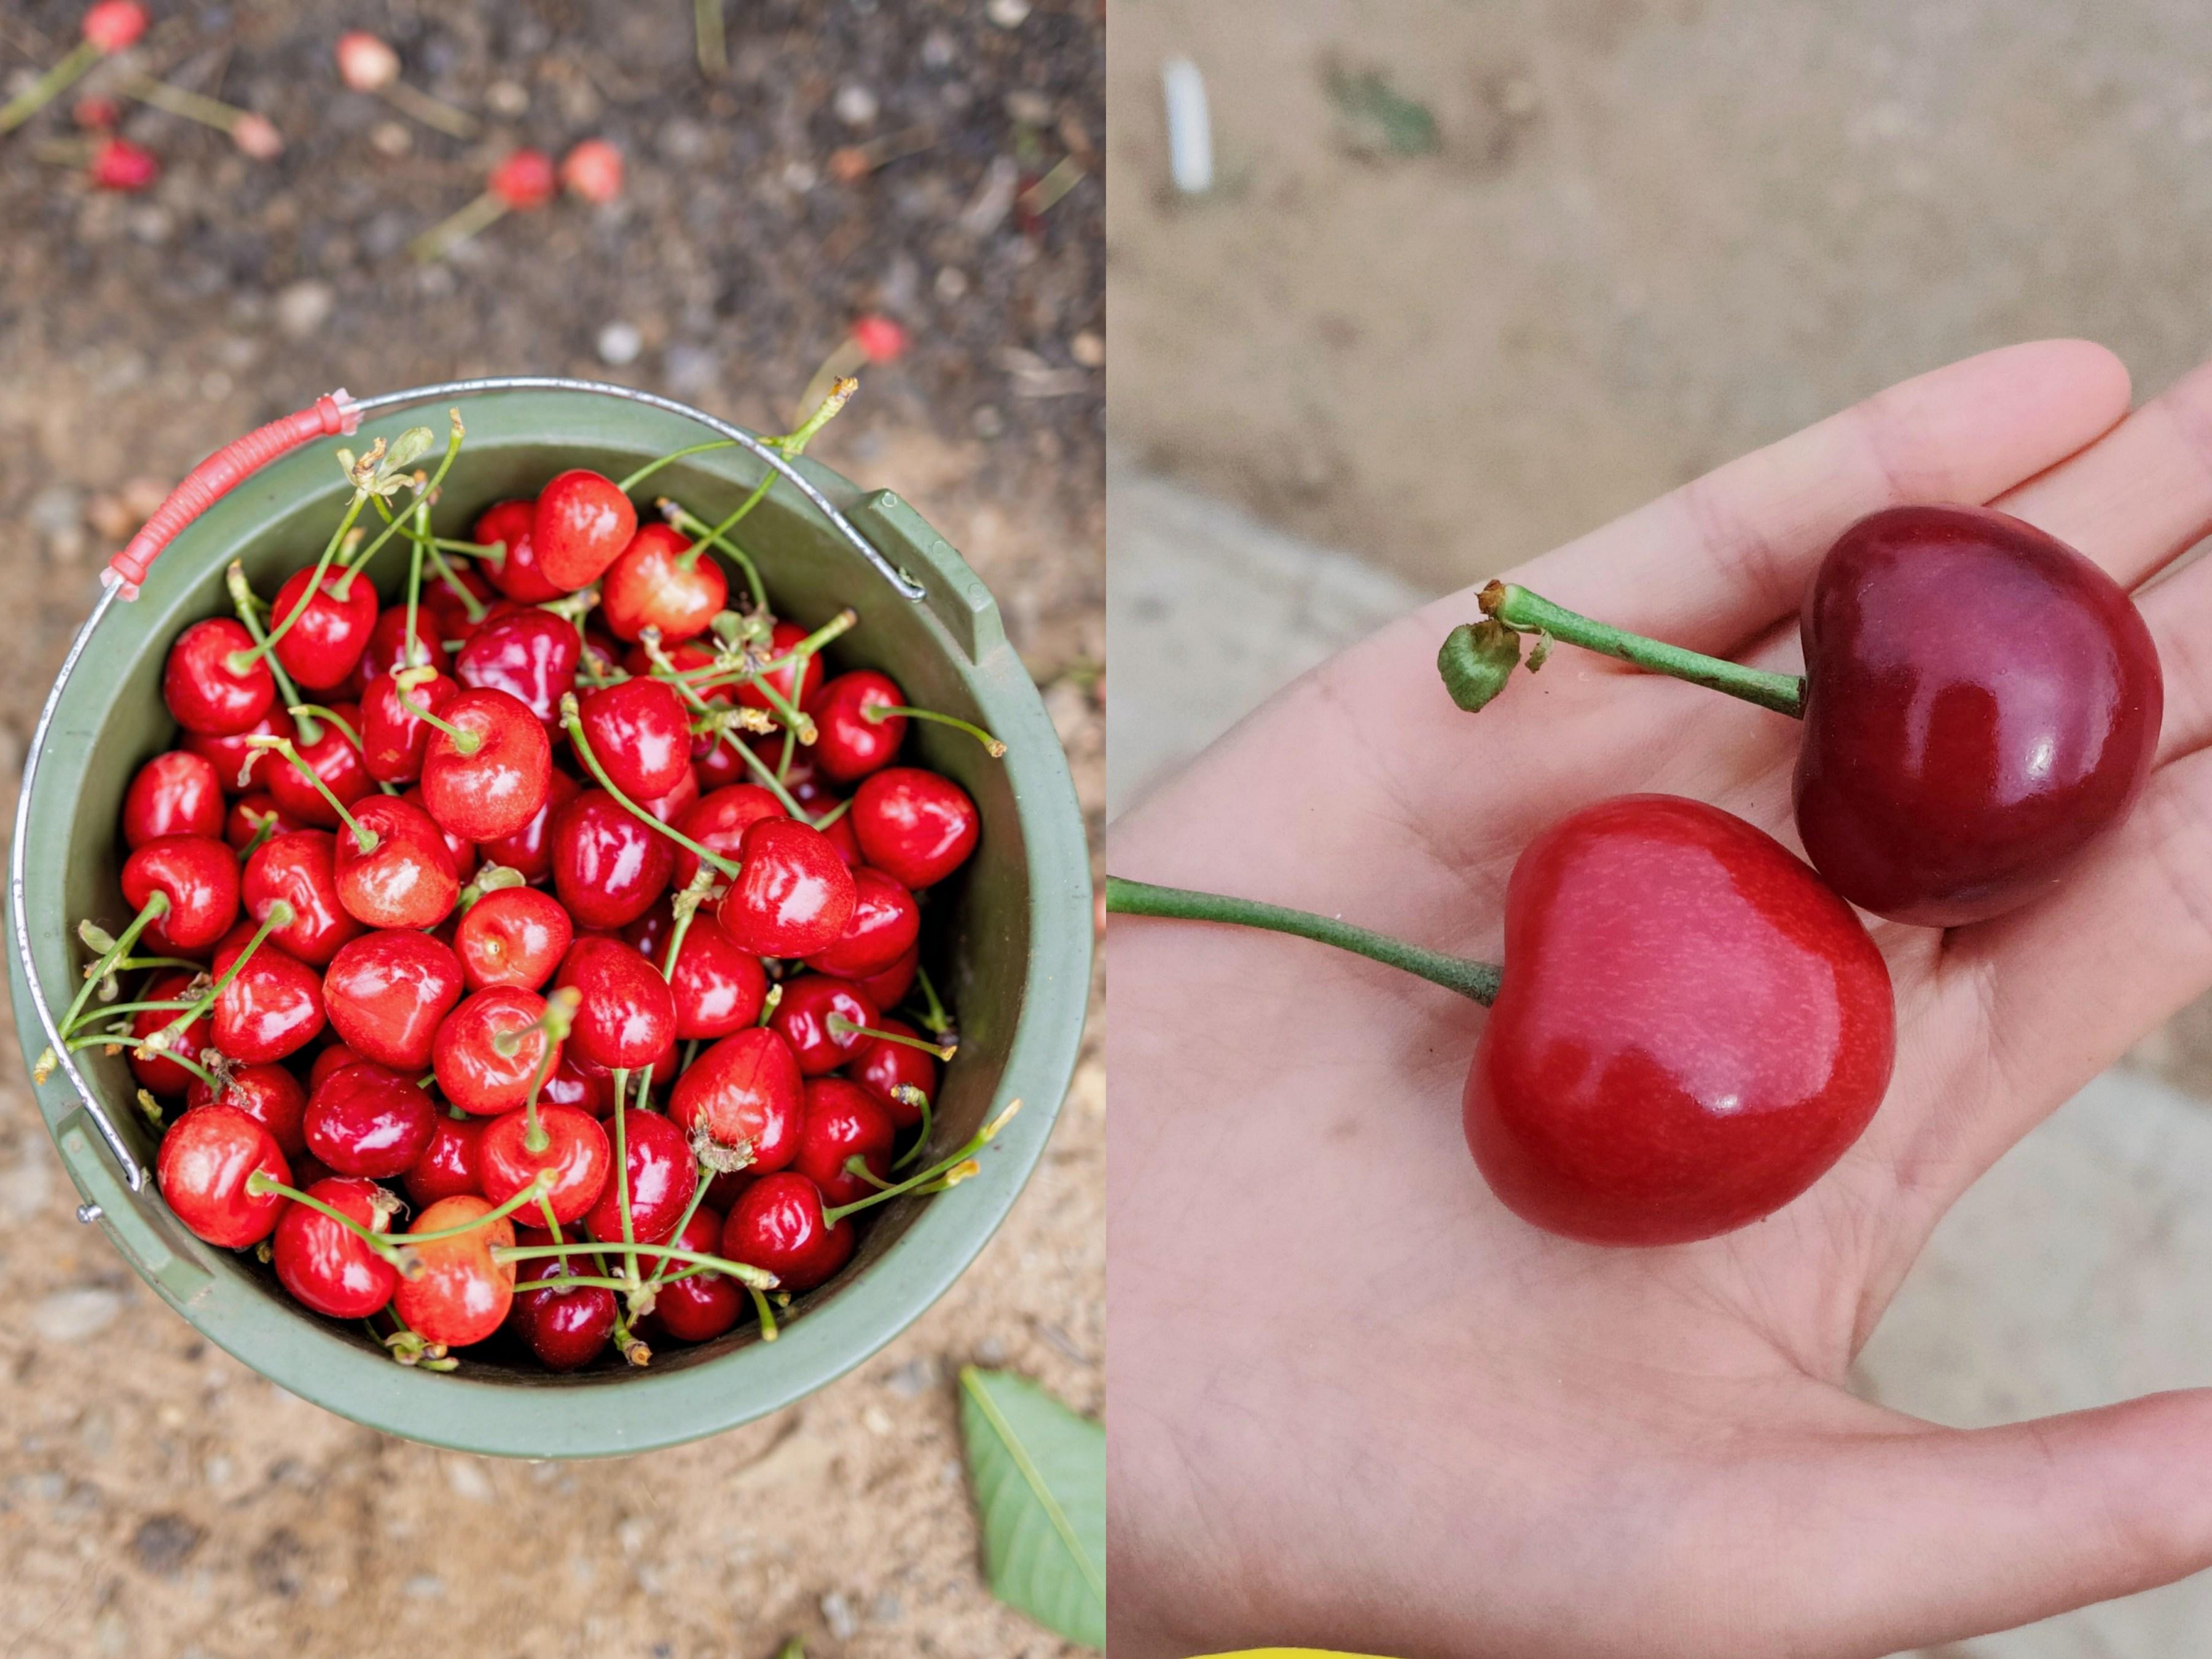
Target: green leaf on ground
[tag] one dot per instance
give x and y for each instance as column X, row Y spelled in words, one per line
column 1039, row 1472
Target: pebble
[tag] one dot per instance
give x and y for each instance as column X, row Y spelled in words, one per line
column 886, row 1608
column 468, row 1479
column 936, row 49
column 987, row 421
column 914, row 1379
column 1008, row 14
column 305, row 307
column 393, row 138
column 73, row 1316
column 163, row 1543
column 991, row 1352
column 952, row 283
column 1088, row 348
column 1031, row 109
column 619, row 343
column 508, row 98
column 855, row 104
column 837, row 1613
column 690, row 368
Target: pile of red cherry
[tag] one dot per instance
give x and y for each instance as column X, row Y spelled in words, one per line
column 555, row 901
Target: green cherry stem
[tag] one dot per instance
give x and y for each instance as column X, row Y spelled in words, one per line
column 56, row 80
column 156, row 907
column 538, row 1186
column 1476, row 980
column 950, row 1171
column 573, row 724
column 240, row 662
column 841, row 1026
column 877, row 714
column 704, row 535
column 248, row 607
column 933, row 1020
column 918, row 1101
column 319, row 712
column 261, row 1183
column 698, row 1197
column 466, row 743
column 739, row 1271
column 363, row 836
column 553, row 1024
column 124, row 1040
column 281, row 914
column 670, row 460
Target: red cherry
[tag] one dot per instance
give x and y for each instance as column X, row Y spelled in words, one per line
column 792, row 895
column 594, row 170
column 328, row 1059
column 175, row 793
column 689, row 657
column 496, row 788
column 206, row 1159
column 718, row 989
column 450, row 1164
column 663, row 1175
column 475, row 1074
column 529, row 850
column 673, row 803
column 567, row 1328
column 269, row 1094
column 882, row 1068
column 386, row 993
column 112, row 25
column 463, row 1293
column 272, row 1008
column 449, row 612
column 639, row 731
column 393, row 737
column 1952, row 768
column 843, row 1121
column 888, row 989
column 724, row 1191
column 332, row 758
column 523, row 180
column 802, row 1018
column 199, row 875
column 462, row 850
column 718, row 822
column 576, row 1150
column 120, row 165
column 157, row 1073
column 571, row 1085
column 746, row 1093
column 881, row 339
column 241, row 824
column 851, row 744
column 516, row 575
column 327, row 1266
column 234, row 758
column 706, row 1305
column 529, row 654
column 883, row 926
column 626, row 1018
column 407, row 879
column 917, row 827
column 794, row 682
column 513, row 936
column 609, row 864
column 335, row 622
column 364, row 1120
column 1694, row 1082
column 200, row 688
column 387, row 640
column 777, row 1224
column 652, row 585
column 580, row 527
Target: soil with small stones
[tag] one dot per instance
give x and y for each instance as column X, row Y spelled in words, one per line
column 156, row 1497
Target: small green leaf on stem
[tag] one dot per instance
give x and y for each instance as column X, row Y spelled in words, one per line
column 1478, row 658
column 1039, row 1473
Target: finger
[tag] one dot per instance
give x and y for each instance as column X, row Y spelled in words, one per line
column 1726, row 555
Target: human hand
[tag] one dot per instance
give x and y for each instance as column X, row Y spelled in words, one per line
column 1356, row 1402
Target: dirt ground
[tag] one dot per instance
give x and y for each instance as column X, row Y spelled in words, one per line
column 156, row 1497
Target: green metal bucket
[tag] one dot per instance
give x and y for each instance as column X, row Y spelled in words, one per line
column 1012, row 933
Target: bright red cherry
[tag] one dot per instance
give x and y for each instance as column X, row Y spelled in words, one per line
column 234, row 758
column 387, row 641
column 462, row 850
column 328, row 1059
column 641, row 733
column 204, row 692
column 566, row 1328
column 199, row 875
column 393, row 737
column 626, row 1018
column 364, row 1120
column 174, row 793
column 580, row 526
column 327, row 1266
column 915, row 826
column 1981, row 702
column 717, row 821
column 609, row 864
column 856, row 738
column 1693, row 1028
column 659, row 581
column 333, row 757
column 842, row 1121
column 451, row 1163
column 663, row 1175
column 576, row 1150
column 298, row 868
column 501, row 780
column 887, row 988
column 706, row 1305
column 513, row 936
column 156, row 1072
column 718, row 987
column 792, row 895
column 803, row 1019
column 523, row 178
column 745, row 1093
column 777, row 1224
column 529, row 850
column 463, row 1293
column 884, row 924
column 206, row 1159
column 530, row 654
column 112, row 25
column 571, row 1085
column 794, row 682
column 272, row 1008
column 386, row 993
column 883, row 1069
column 321, row 647
column 517, row 574
column 467, row 1055
column 242, row 823
column 672, row 804
column 407, row 879
column 269, row 1094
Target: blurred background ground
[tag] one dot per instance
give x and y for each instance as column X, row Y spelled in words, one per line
column 1478, row 275
column 157, row 1498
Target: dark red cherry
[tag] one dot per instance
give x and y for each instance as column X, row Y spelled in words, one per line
column 272, row 1008
column 328, row 1059
column 884, row 924
column 672, row 804
column 513, row 936
column 464, row 1292
column 1698, row 1080
column 386, row 993
column 663, row 1175
column 529, row 850
column 155, row 1072
column 639, row 732
column 855, row 737
column 718, row 987
column 717, row 821
column 626, row 1018
column 206, row 1159
column 706, row 1305
column 517, row 574
column 915, row 826
column 175, row 793
column 327, row 1266
column 269, row 1094
column 777, row 1224
column 572, row 1085
column 393, row 737
column 609, row 864
column 792, row 895
column 887, row 988
column 802, row 1015
column 332, row 758
column 467, row 1055
column 576, row 1150
column 320, row 648
column 298, row 868
column 882, row 1068
column 1981, row 702
column 843, row 1121
column 199, row 875
column 200, row 689
column 566, row 1328
column 242, row 823
column 451, row 1163
column 745, row 1093
column 657, row 581
column 501, row 783
column 364, row 1120
column 407, row 879
column 528, row 653
column 579, row 527
column 387, row 641
column 794, row 682
column 449, row 613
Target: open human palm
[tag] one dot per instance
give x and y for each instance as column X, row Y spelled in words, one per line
column 1359, row 1403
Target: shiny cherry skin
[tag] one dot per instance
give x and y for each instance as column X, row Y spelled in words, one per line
column 580, row 526
column 672, row 804
column 327, row 1266
column 387, row 992
column 657, row 581
column 717, row 760
column 747, row 1093
column 241, row 824
column 887, row 988
column 856, row 738
column 234, row 758
column 718, row 987
column 576, row 1150
column 639, row 731
column 513, row 936
column 463, row 1293
column 394, row 738
column 334, row 758
column 795, row 684
column 883, row 1068
column 175, row 793
column 1693, row 1028
column 717, row 821
column 387, row 642
column 199, row 875
column 272, row 1009
column 499, row 785
column 328, row 1059
column 915, row 826
column 1982, row 702
column 572, row 1085
column 517, row 574
column 706, row 1305
column 792, row 895
column 463, row 850
column 449, row 614
column 567, row 1329
column 663, row 1175
column 298, row 868
column 156, row 1074
column 626, row 1018
column 802, row 1019
column 407, row 879
column 474, row 1075
column 843, row 1121
column 777, row 1224
column 529, row 850
column 270, row 1095
column 366, row 1119
column 321, row 647
column 609, row 864
column 201, row 692
column 530, row 654
column 883, row 926
column 206, row 1159
column 451, row 1163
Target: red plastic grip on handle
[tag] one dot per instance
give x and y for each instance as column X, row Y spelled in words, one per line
column 333, row 415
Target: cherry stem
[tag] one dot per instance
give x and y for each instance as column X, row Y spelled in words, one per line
column 295, row 710
column 156, row 907
column 50, row 86
column 123, row 1040
column 698, row 1197
column 708, row 39
column 622, row 1168
column 261, row 1182
column 249, row 613
column 857, row 1167
column 239, row 661
column 479, row 215
column 539, row 1186
column 767, row 774
column 1526, row 613
column 935, row 1020
column 950, row 1170
column 176, row 100
column 834, row 813
column 574, row 723
column 363, row 836
column 1476, row 980
column 841, row 1026
column 264, row 826
column 877, row 713
column 464, row 742
column 472, row 606
column 767, row 1315
column 920, row 1102
column 281, row 914
column 741, row 1271
column 670, row 460
column 413, row 606
column 430, row 111
column 704, row 535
